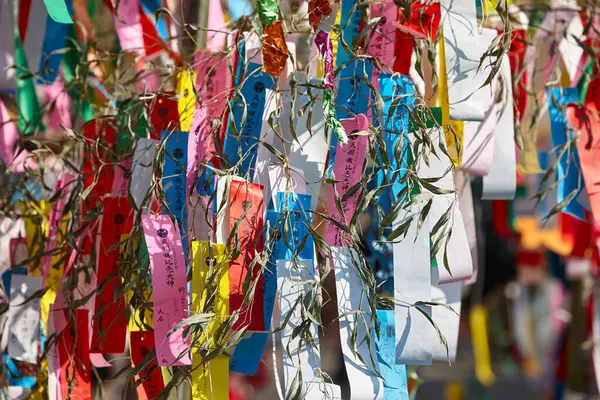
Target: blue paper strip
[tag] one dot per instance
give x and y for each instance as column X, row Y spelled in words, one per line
column 397, row 92
column 248, row 352
column 394, row 375
column 240, row 151
column 55, row 39
column 569, row 172
column 173, row 179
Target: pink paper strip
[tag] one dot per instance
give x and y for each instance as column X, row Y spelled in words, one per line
column 55, row 214
column 170, row 294
column 347, row 167
column 128, row 25
column 9, row 143
column 121, row 178
column 60, row 114
column 382, row 43
column 198, row 144
column 217, row 28
column 213, row 82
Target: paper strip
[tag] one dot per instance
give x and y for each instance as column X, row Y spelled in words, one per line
column 128, row 26
column 363, row 376
column 173, row 179
column 141, row 343
column 246, row 216
column 569, row 178
column 24, row 318
column 187, row 99
column 169, row 293
column 75, row 358
column 394, row 375
column 58, row 10
column 447, row 321
column 501, row 181
column 463, row 51
column 412, row 283
column 210, row 379
column 347, row 167
column 142, row 170
column 241, row 141
column 109, row 329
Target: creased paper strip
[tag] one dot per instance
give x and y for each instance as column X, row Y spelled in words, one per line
column 24, row 318
column 463, row 52
column 501, row 182
column 364, row 380
column 412, row 283
column 142, row 170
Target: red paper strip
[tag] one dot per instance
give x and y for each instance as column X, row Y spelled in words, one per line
column 246, row 212
column 74, row 357
column 142, row 343
column 516, row 53
column 109, row 322
column 164, row 116
column 403, row 51
column 421, row 24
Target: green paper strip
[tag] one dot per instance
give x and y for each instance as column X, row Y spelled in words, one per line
column 58, row 11
column 30, row 116
column 268, row 12
column 330, row 118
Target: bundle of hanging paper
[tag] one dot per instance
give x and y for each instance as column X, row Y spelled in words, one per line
column 198, row 189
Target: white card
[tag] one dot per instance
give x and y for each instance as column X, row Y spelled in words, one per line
column 448, row 321
column 24, row 318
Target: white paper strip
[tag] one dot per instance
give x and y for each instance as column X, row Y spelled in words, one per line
column 456, row 252
column 568, row 48
column 448, row 321
column 142, row 169
column 463, row 52
column 355, row 318
column 412, row 283
column 267, row 135
column 465, row 204
column 299, row 357
column 501, row 182
column 24, row 318
column 309, row 153
column 478, row 137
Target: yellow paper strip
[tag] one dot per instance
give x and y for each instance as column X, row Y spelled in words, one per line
column 187, row 101
column 452, row 129
column 210, row 380
column 481, row 348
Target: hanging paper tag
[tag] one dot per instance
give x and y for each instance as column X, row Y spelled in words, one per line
column 242, row 141
column 164, row 116
column 463, row 53
column 74, row 355
column 170, row 294
column 570, row 51
column 381, row 45
column 349, row 26
column 24, row 318
column 412, row 283
column 359, row 354
column 394, row 90
column 142, row 343
column 423, row 21
column 501, row 181
column 210, row 379
column 585, row 121
column 569, row 171
column 465, row 204
column 142, row 170
column 246, row 213
column 347, row 167
column 478, row 322
column 128, row 26
column 109, row 320
column 394, row 375
column 187, row 99
column 478, row 137
column 446, row 316
column 309, row 152
column 173, row 181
